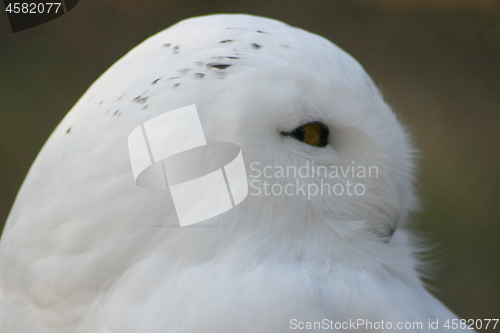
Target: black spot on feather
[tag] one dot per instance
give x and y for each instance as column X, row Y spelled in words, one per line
column 256, row 46
column 140, row 99
column 218, row 65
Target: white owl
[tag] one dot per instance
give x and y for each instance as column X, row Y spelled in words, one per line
column 86, row 250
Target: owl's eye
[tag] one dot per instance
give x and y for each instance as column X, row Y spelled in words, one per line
column 315, row 134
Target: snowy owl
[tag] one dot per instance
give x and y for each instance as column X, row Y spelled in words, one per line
column 319, row 243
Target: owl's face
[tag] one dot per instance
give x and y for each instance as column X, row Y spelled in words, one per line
column 320, row 144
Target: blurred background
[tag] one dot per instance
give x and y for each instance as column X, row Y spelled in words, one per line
column 436, row 61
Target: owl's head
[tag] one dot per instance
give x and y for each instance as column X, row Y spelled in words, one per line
column 325, row 156
column 322, row 147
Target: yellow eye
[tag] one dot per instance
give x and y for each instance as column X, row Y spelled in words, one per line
column 314, row 134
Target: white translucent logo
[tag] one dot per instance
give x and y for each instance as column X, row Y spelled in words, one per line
column 205, row 180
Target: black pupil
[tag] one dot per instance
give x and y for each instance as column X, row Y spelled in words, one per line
column 298, row 133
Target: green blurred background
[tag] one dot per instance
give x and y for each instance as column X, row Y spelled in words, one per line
column 436, row 61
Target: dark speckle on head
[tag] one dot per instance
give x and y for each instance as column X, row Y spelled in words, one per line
column 183, row 71
column 167, row 45
column 101, row 102
column 226, row 41
column 114, row 114
column 120, row 97
column 261, row 32
column 199, row 63
column 176, row 49
column 285, row 46
column 176, row 85
column 174, row 77
column 140, row 99
column 155, row 81
column 256, row 46
column 198, row 75
column 218, row 65
column 144, row 107
column 69, row 130
column 232, row 57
